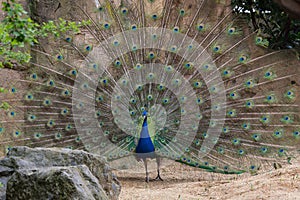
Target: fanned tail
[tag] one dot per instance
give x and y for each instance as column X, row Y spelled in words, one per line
column 216, row 98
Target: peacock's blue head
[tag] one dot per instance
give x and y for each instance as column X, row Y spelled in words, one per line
column 144, row 113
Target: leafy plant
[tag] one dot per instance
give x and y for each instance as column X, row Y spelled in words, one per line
column 18, row 32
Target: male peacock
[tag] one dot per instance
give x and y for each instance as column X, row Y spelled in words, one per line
column 145, row 148
column 172, row 79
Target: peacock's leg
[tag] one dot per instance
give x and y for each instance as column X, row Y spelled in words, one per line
column 158, row 166
column 147, row 174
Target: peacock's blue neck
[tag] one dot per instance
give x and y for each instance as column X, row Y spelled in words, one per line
column 145, row 144
column 145, row 132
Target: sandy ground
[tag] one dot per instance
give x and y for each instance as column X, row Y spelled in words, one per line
column 183, row 182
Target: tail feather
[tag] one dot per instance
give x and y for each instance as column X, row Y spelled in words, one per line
column 216, row 97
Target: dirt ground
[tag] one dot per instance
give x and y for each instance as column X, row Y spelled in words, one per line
column 183, row 182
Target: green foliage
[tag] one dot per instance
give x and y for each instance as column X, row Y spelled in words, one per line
column 18, row 32
column 271, row 22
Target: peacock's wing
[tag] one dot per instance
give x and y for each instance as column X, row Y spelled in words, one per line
column 217, row 98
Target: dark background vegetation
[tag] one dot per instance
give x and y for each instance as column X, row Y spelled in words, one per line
column 279, row 26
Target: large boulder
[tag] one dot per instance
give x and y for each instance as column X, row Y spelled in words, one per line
column 53, row 173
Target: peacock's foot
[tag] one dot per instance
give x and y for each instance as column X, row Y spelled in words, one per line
column 147, row 179
column 158, row 178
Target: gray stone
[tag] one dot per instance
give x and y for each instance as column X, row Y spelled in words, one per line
column 53, row 173
column 75, row 182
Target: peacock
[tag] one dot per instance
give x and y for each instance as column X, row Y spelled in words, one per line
column 181, row 80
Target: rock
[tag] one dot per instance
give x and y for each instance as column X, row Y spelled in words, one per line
column 75, row 182
column 53, row 173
